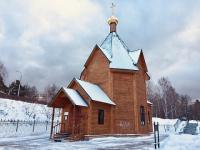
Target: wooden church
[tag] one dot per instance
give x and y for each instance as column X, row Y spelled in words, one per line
column 110, row 97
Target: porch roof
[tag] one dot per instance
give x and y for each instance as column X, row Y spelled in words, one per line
column 95, row 92
column 74, row 97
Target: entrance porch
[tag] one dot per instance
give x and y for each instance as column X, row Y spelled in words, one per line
column 73, row 121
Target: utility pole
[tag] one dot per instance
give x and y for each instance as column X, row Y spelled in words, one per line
column 19, row 82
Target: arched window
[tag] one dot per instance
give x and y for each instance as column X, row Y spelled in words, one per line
column 142, row 115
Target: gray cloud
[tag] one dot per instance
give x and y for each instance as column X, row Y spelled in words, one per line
column 49, row 42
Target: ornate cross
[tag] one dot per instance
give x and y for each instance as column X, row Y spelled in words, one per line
column 113, row 8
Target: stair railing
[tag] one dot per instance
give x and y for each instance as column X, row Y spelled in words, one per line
column 57, row 127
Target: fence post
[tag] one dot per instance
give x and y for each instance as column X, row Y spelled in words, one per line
column 57, row 127
column 154, row 125
column 17, row 125
column 46, row 125
column 34, row 125
column 158, row 135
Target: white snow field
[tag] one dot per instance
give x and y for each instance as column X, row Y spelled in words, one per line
column 39, row 140
column 18, row 110
column 12, row 111
column 166, row 126
column 181, row 142
column 172, row 142
column 176, row 141
column 43, row 143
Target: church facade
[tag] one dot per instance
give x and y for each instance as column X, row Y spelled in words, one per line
column 110, row 95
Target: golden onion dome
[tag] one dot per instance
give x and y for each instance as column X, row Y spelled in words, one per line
column 112, row 19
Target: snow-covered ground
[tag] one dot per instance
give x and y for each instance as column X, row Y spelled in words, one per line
column 8, row 129
column 166, row 126
column 181, row 142
column 176, row 141
column 43, row 143
column 12, row 111
column 26, row 139
column 18, row 110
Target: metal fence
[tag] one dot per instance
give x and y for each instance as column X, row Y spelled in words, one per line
column 10, row 128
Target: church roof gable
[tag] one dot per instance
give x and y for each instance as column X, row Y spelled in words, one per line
column 95, row 92
column 142, row 61
column 92, row 54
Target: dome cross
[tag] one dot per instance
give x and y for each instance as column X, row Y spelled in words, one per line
column 113, row 8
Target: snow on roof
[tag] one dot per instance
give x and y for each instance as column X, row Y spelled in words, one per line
column 149, row 102
column 135, row 55
column 106, row 46
column 75, row 97
column 95, row 92
column 118, row 53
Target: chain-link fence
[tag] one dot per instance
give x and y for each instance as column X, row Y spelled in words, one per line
column 11, row 128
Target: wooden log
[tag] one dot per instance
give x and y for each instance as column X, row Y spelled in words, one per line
column 73, row 129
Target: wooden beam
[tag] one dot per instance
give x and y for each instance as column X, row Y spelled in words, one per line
column 52, row 120
column 73, row 129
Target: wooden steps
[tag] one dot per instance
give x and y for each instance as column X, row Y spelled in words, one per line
column 59, row 137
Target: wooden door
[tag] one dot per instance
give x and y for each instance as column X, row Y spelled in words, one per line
column 65, row 121
column 78, row 120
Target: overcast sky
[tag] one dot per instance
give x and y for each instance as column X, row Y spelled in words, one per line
column 50, row 40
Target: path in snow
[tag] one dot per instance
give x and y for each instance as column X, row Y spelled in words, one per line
column 181, row 142
column 43, row 143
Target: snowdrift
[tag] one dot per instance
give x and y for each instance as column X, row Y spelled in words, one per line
column 18, row 110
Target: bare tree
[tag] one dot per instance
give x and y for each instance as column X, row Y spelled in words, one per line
column 196, row 110
column 172, row 99
column 164, row 85
column 30, row 111
column 167, row 103
column 184, row 103
column 3, row 75
column 29, row 91
column 50, row 91
column 150, row 91
column 47, row 112
column 3, row 72
column 153, row 95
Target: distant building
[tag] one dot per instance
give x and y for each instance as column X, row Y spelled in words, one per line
column 110, row 96
column 41, row 98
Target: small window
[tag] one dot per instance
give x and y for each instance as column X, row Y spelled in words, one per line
column 142, row 115
column 101, row 116
column 66, row 115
